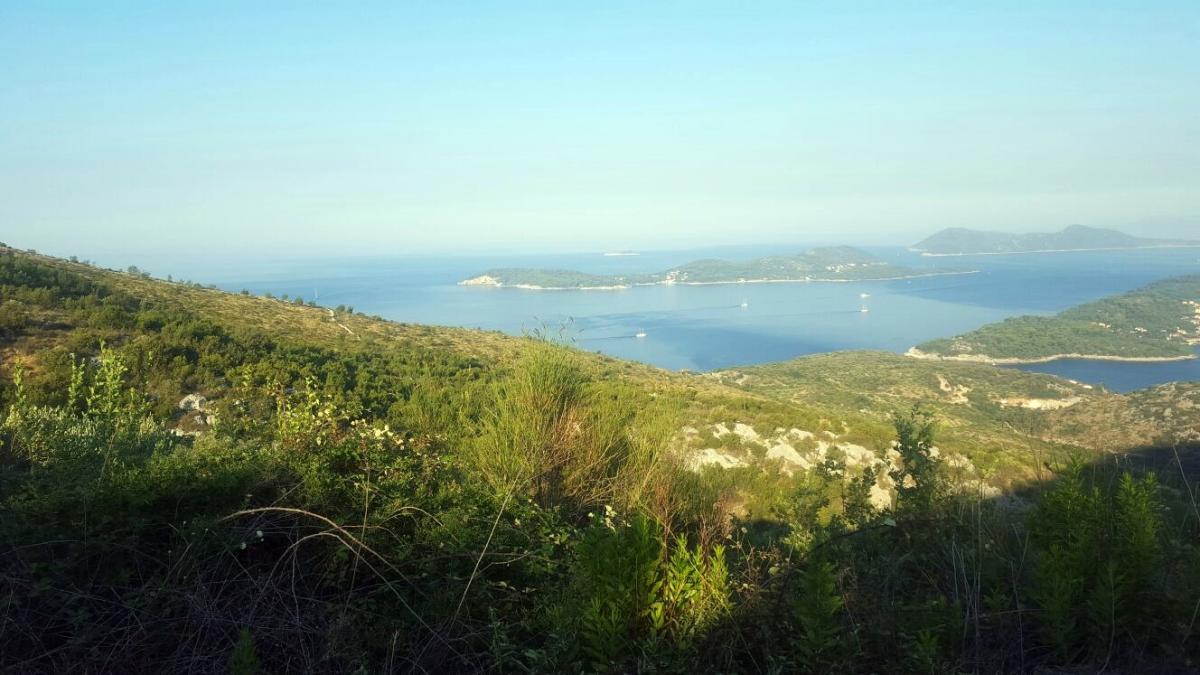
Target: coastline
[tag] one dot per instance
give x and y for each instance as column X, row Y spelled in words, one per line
column 915, row 353
column 531, row 287
column 926, row 254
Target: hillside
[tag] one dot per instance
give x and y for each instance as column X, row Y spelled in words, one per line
column 1007, row 422
column 445, row 359
column 1160, row 321
column 193, row 480
column 840, row 263
column 963, row 241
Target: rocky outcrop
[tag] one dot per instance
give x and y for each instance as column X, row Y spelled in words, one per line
column 193, row 402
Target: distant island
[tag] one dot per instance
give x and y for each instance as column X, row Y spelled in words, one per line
column 836, row 263
column 1158, row 322
column 962, row 241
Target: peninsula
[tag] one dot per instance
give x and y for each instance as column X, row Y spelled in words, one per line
column 837, row 263
column 1158, row 322
column 962, row 241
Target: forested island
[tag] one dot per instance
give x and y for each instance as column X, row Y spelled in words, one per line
column 202, row 481
column 963, row 241
column 838, row 263
column 1160, row 321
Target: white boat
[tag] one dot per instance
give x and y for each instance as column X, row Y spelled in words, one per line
column 745, row 304
column 640, row 335
column 620, row 253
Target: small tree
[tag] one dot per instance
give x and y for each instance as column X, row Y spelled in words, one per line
column 856, row 501
column 919, row 483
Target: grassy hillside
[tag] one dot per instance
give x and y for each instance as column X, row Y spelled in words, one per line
column 1163, row 417
column 199, row 481
column 1161, row 320
column 1007, row 422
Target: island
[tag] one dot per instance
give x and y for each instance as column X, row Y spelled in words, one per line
column 834, row 263
column 962, row 241
column 1158, row 322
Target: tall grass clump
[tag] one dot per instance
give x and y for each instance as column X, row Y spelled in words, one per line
column 552, row 433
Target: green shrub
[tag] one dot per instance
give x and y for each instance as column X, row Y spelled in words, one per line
column 1096, row 577
column 636, row 596
column 818, row 608
column 919, row 483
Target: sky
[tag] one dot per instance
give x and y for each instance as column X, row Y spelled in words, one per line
column 291, row 128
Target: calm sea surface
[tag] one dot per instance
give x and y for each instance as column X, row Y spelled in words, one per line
column 707, row 327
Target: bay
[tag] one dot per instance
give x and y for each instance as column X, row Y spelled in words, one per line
column 719, row 326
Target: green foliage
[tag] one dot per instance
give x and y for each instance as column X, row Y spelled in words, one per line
column 857, row 508
column 554, row 435
column 25, row 279
column 923, row 652
column 633, row 595
column 111, row 431
column 818, row 609
column 919, row 483
column 1096, row 576
column 243, row 660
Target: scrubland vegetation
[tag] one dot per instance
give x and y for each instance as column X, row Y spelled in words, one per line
column 357, row 496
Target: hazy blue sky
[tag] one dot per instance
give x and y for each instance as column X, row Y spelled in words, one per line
column 406, row 127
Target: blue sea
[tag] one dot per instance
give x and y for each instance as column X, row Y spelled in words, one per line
column 711, row 327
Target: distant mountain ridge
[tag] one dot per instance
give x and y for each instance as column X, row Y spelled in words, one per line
column 964, row 241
